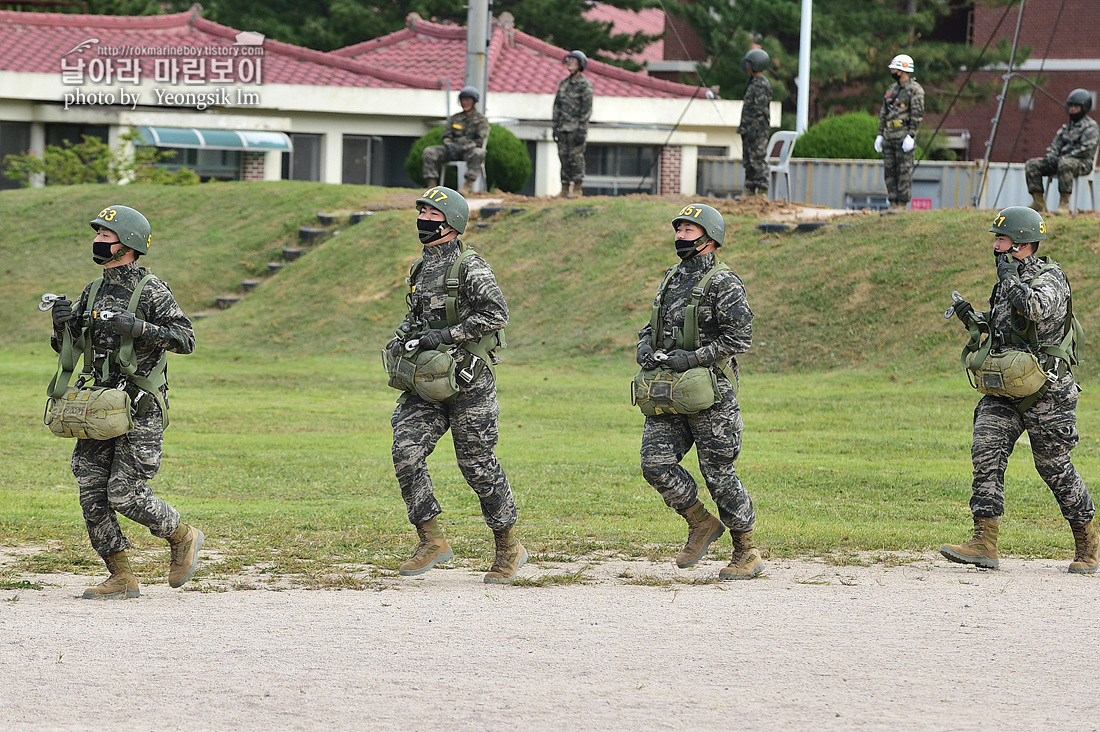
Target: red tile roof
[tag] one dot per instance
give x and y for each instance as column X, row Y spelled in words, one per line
column 36, row 42
column 518, row 62
column 650, row 21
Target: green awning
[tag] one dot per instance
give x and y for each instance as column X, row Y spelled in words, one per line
column 194, row 137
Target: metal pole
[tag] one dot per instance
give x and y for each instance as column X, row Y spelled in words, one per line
column 477, row 48
column 983, row 177
column 802, row 116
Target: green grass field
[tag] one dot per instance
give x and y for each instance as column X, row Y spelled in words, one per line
column 857, row 415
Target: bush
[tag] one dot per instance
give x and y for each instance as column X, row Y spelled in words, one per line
column 507, row 164
column 850, row 136
column 92, row 161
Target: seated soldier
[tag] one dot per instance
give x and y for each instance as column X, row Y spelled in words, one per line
column 1070, row 154
column 464, row 137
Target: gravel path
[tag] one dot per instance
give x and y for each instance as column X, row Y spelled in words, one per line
column 923, row 646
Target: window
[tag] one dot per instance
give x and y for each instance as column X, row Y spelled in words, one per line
column 304, row 162
column 15, row 139
column 359, row 164
column 208, row 164
column 619, row 170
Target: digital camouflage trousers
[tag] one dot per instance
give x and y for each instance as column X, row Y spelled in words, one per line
column 1051, row 425
column 716, row 434
column 897, row 166
column 571, row 147
column 1065, row 169
column 755, row 153
column 436, row 156
column 112, row 476
column 471, row 416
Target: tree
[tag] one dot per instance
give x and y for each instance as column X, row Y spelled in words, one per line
column 853, row 41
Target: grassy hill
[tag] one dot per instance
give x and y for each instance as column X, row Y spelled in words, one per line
column 579, row 276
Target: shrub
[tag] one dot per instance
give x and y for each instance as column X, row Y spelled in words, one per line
column 507, row 164
column 849, row 136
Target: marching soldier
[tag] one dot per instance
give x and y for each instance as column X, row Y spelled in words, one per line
column 464, row 136
column 1032, row 312
column 458, row 311
column 113, row 474
column 1070, row 154
column 901, row 115
column 756, row 122
column 724, row 329
column 572, row 108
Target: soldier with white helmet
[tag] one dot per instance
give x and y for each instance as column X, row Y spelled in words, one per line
column 901, row 115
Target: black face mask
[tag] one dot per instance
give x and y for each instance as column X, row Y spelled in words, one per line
column 895, row 74
column 685, row 248
column 101, row 252
column 1076, row 116
column 430, row 231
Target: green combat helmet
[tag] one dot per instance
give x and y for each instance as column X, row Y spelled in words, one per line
column 1082, row 99
column 132, row 228
column 706, row 216
column 450, row 202
column 471, row 92
column 1020, row 224
column 757, row 58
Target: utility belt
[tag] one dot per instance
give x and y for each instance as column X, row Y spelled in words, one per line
column 895, row 123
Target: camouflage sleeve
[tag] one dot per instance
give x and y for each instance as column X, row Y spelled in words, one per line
column 166, row 325
column 480, row 133
column 1054, row 150
column 647, row 330
column 449, row 131
column 731, row 307
column 1044, row 298
column 1084, row 145
column 882, row 117
column 916, row 109
column 555, row 119
column 484, row 309
column 586, row 103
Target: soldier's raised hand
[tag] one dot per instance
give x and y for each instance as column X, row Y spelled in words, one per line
column 62, row 313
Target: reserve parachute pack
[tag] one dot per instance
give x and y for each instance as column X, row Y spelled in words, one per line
column 1014, row 368
column 89, row 412
column 435, row 375
column 664, row 391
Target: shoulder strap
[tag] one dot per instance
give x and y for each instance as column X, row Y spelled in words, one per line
column 66, row 362
column 454, row 282
column 689, row 336
column 656, row 323
column 127, row 361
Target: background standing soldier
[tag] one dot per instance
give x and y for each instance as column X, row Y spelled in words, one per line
column 464, row 136
column 1032, row 311
column 1070, row 154
column 901, row 114
column 572, row 108
column 113, row 474
column 725, row 329
column 755, row 126
column 479, row 312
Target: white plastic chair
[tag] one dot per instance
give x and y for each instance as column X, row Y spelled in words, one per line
column 1079, row 183
column 782, row 165
column 479, row 184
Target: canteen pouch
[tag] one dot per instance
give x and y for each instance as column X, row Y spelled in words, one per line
column 93, row 413
column 428, row 374
column 1011, row 374
column 661, row 391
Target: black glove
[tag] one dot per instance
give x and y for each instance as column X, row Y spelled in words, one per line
column 645, row 357
column 456, row 151
column 126, row 323
column 431, row 339
column 557, row 136
column 681, row 360
column 1007, row 267
column 963, row 309
column 62, row 313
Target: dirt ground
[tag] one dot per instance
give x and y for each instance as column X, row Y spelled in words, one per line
column 923, row 646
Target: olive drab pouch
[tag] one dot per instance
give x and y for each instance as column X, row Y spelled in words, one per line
column 431, row 375
column 95, row 413
column 662, row 391
column 1011, row 374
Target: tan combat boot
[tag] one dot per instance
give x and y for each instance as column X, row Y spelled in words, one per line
column 185, row 543
column 431, row 182
column 578, row 189
column 746, row 562
column 510, row 557
column 1063, row 203
column 1039, row 202
column 432, row 550
column 703, row 529
column 1088, row 549
column 122, row 583
column 981, row 551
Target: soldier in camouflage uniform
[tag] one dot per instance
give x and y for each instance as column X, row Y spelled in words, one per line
column 725, row 329
column 472, row 414
column 1071, row 154
column 113, row 474
column 1024, row 295
column 756, row 122
column 572, row 108
column 464, row 136
column 901, row 115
